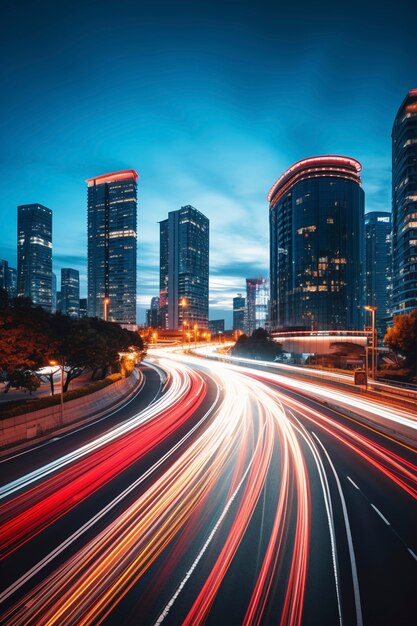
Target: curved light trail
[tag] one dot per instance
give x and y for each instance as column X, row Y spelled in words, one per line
column 193, row 516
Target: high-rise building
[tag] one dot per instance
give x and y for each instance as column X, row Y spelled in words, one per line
column 112, row 232
column 34, row 254
column 4, row 274
column 378, row 266
column 152, row 314
column 216, row 327
column 404, row 206
column 54, row 286
column 257, row 298
column 184, row 268
column 12, row 282
column 317, row 245
column 70, row 292
column 83, row 307
column 239, row 312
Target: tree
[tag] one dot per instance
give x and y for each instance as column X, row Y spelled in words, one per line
column 259, row 346
column 402, row 338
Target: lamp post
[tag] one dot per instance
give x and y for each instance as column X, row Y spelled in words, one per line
column 106, row 303
column 183, row 303
column 368, row 307
column 61, row 367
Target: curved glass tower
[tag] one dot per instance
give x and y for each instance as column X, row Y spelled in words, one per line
column 317, row 245
column 404, row 206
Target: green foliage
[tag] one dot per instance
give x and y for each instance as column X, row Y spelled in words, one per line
column 259, row 346
column 19, row 407
column 402, row 338
column 30, row 338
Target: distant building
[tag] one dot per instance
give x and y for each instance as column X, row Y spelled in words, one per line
column 12, row 283
column 70, row 292
column 184, row 269
column 257, row 299
column 34, row 254
column 58, row 302
column 239, row 312
column 216, row 327
column 378, row 266
column 53, row 309
column 152, row 314
column 112, row 232
column 4, row 274
column 83, row 308
column 317, row 245
column 404, row 206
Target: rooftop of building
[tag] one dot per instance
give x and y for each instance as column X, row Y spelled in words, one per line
column 318, row 166
column 112, row 177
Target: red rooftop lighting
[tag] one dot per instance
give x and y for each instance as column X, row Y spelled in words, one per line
column 329, row 164
column 112, row 177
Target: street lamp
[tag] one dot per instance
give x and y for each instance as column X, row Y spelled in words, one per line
column 106, row 303
column 183, row 303
column 61, row 367
column 368, row 307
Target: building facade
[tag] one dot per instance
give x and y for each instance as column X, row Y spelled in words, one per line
column 378, row 266
column 404, row 206
column 83, row 308
column 153, row 314
column 112, row 233
column 317, row 245
column 239, row 312
column 70, row 292
column 216, row 327
column 257, row 299
column 184, row 269
column 34, row 254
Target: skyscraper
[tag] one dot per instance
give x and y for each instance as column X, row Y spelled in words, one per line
column 257, row 298
column 152, row 314
column 112, row 224
column 34, row 254
column 239, row 312
column 184, row 268
column 12, row 282
column 4, row 274
column 378, row 266
column 83, row 307
column 404, row 206
column 70, row 292
column 317, row 245
column 53, row 307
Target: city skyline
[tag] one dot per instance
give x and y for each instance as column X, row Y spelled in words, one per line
column 207, row 120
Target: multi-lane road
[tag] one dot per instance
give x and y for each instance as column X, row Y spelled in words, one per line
column 220, row 494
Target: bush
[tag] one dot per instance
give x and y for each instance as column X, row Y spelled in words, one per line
column 43, row 403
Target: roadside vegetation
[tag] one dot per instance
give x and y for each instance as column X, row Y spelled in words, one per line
column 31, row 338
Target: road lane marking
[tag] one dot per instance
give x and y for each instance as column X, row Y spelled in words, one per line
column 353, row 483
column 355, row 581
column 380, row 514
column 413, row 554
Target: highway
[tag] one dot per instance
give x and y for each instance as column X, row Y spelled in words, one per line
column 219, row 495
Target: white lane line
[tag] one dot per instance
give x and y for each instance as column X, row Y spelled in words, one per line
column 380, row 514
column 328, row 506
column 355, row 581
column 413, row 554
column 353, row 483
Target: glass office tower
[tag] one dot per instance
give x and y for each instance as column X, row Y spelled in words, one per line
column 112, row 224
column 34, row 254
column 378, row 266
column 404, row 206
column 184, row 269
column 257, row 298
column 70, row 292
column 239, row 312
column 317, row 245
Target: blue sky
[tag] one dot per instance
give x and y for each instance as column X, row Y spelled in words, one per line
column 209, row 101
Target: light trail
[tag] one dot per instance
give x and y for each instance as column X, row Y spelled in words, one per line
column 189, row 516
